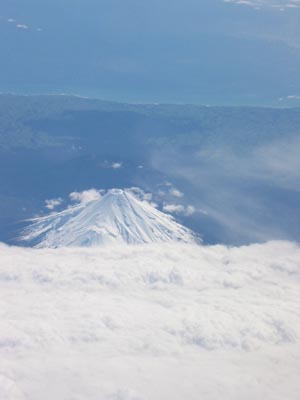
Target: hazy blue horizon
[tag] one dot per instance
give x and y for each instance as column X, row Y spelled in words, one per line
column 208, row 52
column 129, row 98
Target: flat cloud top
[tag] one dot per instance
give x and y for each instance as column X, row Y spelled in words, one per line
column 137, row 322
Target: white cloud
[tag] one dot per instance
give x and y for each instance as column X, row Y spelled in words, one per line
column 179, row 209
column 293, row 96
column 280, row 5
column 135, row 322
column 116, row 165
column 175, row 192
column 166, row 183
column 9, row 390
column 52, row 203
column 173, row 208
column 22, row 26
column 190, row 210
column 112, row 165
column 86, row 196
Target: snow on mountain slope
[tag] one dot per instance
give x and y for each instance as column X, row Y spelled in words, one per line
column 118, row 217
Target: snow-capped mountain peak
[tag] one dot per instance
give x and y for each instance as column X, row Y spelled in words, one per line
column 117, row 218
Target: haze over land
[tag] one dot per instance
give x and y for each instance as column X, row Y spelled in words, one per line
column 229, row 173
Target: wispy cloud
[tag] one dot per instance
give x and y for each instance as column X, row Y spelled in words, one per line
column 22, row 26
column 240, row 188
column 112, row 164
column 179, row 209
column 116, row 165
column 290, row 97
column 280, row 5
column 175, row 192
column 86, row 196
column 51, row 204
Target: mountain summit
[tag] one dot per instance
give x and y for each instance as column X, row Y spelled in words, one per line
column 117, row 218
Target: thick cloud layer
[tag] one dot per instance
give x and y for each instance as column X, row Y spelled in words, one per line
column 150, row 322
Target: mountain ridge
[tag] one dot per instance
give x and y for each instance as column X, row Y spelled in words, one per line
column 116, row 218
